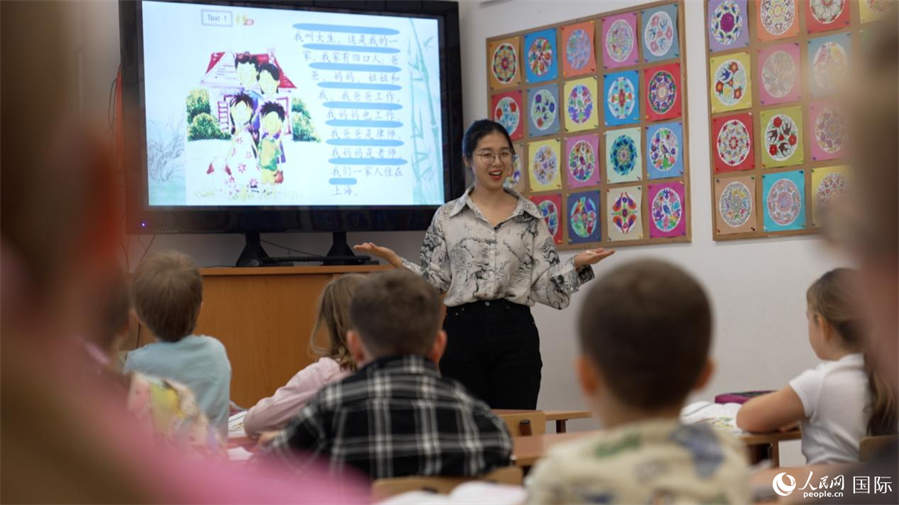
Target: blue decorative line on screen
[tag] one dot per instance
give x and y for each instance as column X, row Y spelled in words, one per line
column 368, row 30
column 360, row 85
column 363, row 105
column 365, row 142
column 345, row 47
column 342, row 181
column 362, row 123
column 354, row 67
column 367, row 161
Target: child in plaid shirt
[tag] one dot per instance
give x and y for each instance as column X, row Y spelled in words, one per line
column 396, row 416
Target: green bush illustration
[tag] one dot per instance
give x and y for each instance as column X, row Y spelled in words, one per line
column 204, row 126
column 197, row 103
column 301, row 122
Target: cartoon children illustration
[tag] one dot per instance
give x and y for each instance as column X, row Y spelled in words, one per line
column 241, row 169
column 271, row 150
column 247, row 67
column 269, row 79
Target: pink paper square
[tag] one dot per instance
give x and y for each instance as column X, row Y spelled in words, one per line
column 667, row 210
column 582, row 161
column 775, row 82
column 826, row 131
column 620, row 41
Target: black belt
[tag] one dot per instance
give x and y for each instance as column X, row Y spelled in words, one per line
column 481, row 306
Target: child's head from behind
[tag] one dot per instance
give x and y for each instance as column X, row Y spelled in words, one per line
column 396, row 313
column 645, row 331
column 834, row 318
column 168, row 291
column 334, row 316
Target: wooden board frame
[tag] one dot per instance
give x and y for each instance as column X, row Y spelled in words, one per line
column 805, row 100
column 603, row 186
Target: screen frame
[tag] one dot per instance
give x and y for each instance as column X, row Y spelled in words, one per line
column 143, row 218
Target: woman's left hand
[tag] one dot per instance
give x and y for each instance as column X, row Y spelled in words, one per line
column 591, row 256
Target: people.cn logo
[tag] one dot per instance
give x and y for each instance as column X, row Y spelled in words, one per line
column 783, row 484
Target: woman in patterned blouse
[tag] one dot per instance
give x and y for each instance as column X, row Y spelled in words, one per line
column 490, row 252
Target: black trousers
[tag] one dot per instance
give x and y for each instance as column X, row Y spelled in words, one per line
column 494, row 350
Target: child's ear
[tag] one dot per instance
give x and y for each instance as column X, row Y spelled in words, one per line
column 705, row 375
column 587, row 375
column 438, row 347
column 354, row 345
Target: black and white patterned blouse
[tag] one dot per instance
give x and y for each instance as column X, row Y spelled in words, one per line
column 467, row 258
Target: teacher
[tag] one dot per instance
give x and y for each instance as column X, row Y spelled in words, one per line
column 490, row 252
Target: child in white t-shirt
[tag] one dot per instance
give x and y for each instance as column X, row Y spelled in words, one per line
column 839, row 401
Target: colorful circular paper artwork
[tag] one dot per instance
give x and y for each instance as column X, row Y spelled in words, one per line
column 777, row 16
column 830, row 130
column 515, row 178
column 540, row 56
column 829, row 64
column 505, row 63
column 735, row 204
column 543, row 109
column 662, row 92
column 658, row 35
column 581, row 161
column 507, row 113
column 580, row 104
column 733, row 143
column 779, row 74
column 730, row 82
column 579, row 49
column 583, row 217
column 727, row 22
column 550, row 214
column 620, row 40
column 625, row 212
column 667, row 210
column 545, row 165
column 623, row 156
column 663, row 149
column 832, row 186
column 781, row 137
column 622, row 98
column 827, row 11
column 784, row 202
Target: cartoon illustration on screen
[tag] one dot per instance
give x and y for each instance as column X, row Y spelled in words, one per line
column 271, row 150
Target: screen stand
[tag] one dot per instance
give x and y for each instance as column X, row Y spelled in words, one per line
column 341, row 253
column 253, row 255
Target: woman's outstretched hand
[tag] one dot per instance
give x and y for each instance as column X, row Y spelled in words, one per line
column 591, row 256
column 384, row 253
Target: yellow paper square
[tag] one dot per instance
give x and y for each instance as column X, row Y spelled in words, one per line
column 544, row 162
column 730, row 78
column 827, row 184
column 582, row 105
column 871, row 10
column 781, row 133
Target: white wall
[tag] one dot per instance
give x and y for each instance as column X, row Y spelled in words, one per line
column 757, row 287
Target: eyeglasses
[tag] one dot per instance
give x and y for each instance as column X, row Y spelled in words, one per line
column 490, row 156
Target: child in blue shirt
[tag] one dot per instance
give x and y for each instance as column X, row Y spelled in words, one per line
column 168, row 291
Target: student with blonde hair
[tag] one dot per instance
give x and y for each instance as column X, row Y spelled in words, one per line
column 335, row 361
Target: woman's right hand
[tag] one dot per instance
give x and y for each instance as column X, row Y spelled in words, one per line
column 385, row 253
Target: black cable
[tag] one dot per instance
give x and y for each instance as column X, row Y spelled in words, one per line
column 288, row 249
column 110, row 102
column 144, row 255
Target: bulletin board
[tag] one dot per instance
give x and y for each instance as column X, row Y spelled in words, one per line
column 596, row 108
column 777, row 136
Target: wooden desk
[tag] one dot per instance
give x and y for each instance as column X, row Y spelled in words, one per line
column 561, row 417
column 264, row 317
column 527, row 450
column 767, row 445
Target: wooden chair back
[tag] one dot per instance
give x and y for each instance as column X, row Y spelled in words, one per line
column 870, row 446
column 385, row 488
column 523, row 424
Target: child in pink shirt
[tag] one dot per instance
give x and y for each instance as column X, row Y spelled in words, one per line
column 335, row 362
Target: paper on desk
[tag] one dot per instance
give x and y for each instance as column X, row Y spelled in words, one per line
column 235, row 425
column 239, row 454
column 470, row 493
column 722, row 416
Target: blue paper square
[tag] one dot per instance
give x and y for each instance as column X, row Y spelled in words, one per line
column 583, row 217
column 665, row 150
column 543, row 109
column 660, row 35
column 783, row 200
column 541, row 56
column 828, row 45
column 621, row 96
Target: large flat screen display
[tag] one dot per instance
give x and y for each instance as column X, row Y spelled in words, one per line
column 249, row 106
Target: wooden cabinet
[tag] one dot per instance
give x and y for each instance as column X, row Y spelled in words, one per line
column 264, row 316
